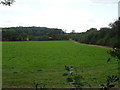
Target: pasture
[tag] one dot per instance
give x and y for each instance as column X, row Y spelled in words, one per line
column 26, row 62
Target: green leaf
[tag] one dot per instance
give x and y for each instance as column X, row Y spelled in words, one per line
column 102, row 85
column 110, row 86
column 65, row 74
column 69, row 79
column 108, row 60
column 67, row 68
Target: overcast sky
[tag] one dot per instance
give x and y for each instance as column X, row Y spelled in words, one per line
column 78, row 15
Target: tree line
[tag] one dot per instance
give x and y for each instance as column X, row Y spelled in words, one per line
column 32, row 34
column 109, row 36
column 106, row 36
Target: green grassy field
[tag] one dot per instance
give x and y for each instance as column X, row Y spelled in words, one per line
column 43, row 62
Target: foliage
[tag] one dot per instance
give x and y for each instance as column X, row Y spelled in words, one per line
column 32, row 34
column 110, row 82
column 74, row 78
column 115, row 52
column 7, row 2
column 104, row 36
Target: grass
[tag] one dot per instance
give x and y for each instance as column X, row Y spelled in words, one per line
column 43, row 62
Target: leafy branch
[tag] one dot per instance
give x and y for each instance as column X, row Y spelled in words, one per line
column 7, row 2
column 110, row 82
column 74, row 78
column 115, row 52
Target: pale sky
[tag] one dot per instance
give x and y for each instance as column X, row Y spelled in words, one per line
column 78, row 15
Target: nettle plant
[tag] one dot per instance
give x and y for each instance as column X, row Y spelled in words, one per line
column 74, row 78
